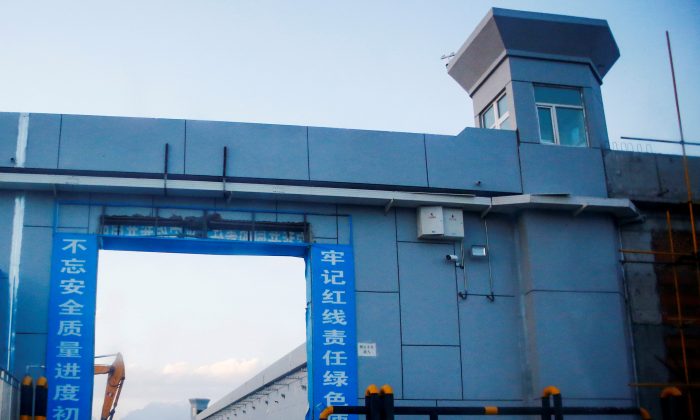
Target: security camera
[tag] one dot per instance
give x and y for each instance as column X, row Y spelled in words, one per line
column 452, row 258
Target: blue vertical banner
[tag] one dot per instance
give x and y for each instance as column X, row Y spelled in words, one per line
column 71, row 339
column 333, row 371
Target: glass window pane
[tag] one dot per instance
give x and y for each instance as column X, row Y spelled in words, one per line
column 505, row 124
column 546, row 129
column 502, row 106
column 552, row 95
column 488, row 118
column 572, row 131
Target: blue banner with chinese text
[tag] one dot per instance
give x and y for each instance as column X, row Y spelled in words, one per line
column 71, row 334
column 333, row 371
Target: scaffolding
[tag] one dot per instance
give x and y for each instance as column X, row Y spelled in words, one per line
column 678, row 280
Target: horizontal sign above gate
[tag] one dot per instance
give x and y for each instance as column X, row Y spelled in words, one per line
column 205, row 228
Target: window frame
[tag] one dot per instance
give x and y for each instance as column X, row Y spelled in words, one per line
column 552, row 107
column 498, row 119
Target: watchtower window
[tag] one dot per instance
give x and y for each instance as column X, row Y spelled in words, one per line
column 496, row 115
column 561, row 116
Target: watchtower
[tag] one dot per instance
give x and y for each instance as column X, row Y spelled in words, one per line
column 539, row 74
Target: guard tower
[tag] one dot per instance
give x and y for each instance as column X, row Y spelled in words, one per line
column 539, row 74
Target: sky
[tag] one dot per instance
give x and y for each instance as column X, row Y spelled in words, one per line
column 354, row 64
column 360, row 64
column 193, row 325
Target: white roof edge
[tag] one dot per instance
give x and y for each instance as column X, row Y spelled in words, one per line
column 620, row 207
column 291, row 362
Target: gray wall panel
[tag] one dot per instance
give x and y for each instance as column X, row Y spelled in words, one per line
column 548, row 169
column 476, row 159
column 580, row 344
column 501, row 251
column 34, row 280
column 428, row 295
column 569, row 253
column 43, row 141
column 8, row 137
column 595, row 118
column 373, row 157
column 492, row 354
column 7, row 212
column 104, row 143
column 39, row 208
column 552, row 72
column 431, row 372
column 379, row 321
column 374, row 235
column 30, row 349
column 4, row 317
column 254, row 150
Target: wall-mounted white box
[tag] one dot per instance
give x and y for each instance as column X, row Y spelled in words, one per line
column 454, row 223
column 430, row 222
column 436, row 222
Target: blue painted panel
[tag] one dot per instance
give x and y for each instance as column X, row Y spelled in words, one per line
column 501, row 251
column 406, row 224
column 374, row 236
column 595, row 118
column 8, row 137
column 579, row 343
column 43, row 141
column 548, row 169
column 71, row 338
column 333, row 370
column 34, row 276
column 30, row 349
column 39, row 209
column 491, row 351
column 70, row 215
column 378, row 321
column 323, row 226
column 7, row 211
column 483, row 403
column 525, row 111
column 476, row 159
column 372, row 157
column 237, row 203
column 431, row 372
column 254, row 150
column 428, row 295
column 101, row 143
column 4, row 318
column 569, row 253
column 550, row 72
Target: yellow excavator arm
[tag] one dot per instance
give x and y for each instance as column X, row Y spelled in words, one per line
column 115, row 381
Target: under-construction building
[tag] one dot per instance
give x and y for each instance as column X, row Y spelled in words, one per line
column 473, row 269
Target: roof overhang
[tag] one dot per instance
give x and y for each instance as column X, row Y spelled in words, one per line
column 545, row 36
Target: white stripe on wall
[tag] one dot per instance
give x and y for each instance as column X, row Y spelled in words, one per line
column 17, row 231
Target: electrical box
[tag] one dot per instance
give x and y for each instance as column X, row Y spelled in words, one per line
column 436, row 222
column 430, row 222
column 454, row 223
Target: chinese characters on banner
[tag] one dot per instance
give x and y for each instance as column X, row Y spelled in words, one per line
column 70, row 345
column 334, row 347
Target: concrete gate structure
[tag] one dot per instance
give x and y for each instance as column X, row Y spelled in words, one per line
column 546, row 305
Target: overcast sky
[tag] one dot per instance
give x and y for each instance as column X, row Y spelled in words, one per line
column 353, row 64
column 194, row 325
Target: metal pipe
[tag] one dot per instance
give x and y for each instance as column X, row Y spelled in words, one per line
column 679, row 313
column 686, row 173
column 643, row 251
column 663, row 385
column 491, row 297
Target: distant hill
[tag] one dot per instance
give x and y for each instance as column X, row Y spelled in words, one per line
column 160, row 410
